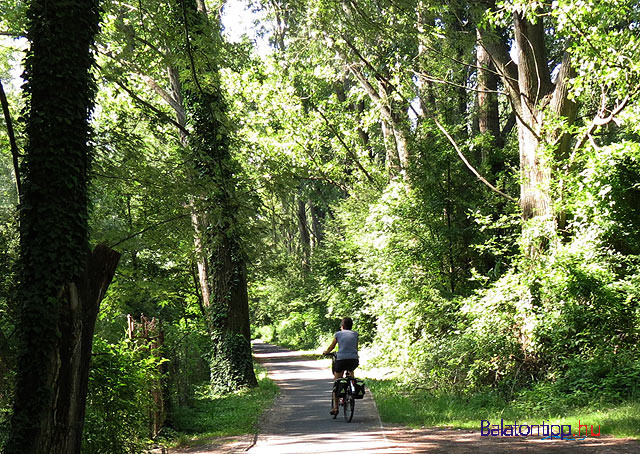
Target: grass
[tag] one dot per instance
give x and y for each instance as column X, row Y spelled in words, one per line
column 399, row 404
column 212, row 417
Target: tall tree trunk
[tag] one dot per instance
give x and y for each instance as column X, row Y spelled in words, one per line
column 61, row 283
column 533, row 96
column 209, row 145
column 198, row 219
column 316, row 226
column 534, row 83
column 487, row 99
column 303, row 230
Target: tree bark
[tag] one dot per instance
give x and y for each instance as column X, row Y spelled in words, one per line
column 198, row 219
column 61, row 284
column 532, row 95
column 209, row 147
column 303, row 230
column 487, row 99
column 57, row 388
column 534, row 83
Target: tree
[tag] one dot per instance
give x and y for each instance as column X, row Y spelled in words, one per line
column 61, row 281
column 538, row 104
column 218, row 206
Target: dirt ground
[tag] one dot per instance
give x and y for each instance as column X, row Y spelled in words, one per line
column 450, row 441
column 453, row 441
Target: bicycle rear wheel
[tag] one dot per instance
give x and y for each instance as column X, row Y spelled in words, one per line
column 349, row 406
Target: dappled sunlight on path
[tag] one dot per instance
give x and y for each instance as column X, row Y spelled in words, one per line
column 299, row 421
column 454, row 441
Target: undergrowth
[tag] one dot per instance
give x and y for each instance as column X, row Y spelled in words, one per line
column 212, row 416
column 399, row 403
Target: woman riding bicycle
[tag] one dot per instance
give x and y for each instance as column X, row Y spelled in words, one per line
column 347, row 358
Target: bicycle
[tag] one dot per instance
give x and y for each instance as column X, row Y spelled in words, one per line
column 347, row 400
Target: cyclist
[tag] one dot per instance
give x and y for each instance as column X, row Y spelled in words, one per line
column 347, row 357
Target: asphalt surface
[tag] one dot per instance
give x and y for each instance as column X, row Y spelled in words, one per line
column 299, row 421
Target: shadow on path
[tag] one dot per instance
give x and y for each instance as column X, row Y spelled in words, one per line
column 299, row 421
column 452, row 441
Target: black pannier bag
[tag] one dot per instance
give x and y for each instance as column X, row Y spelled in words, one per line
column 359, row 388
column 340, row 386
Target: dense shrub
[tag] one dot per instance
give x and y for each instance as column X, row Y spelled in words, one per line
column 119, row 399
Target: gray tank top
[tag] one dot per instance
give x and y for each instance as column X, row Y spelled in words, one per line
column 347, row 344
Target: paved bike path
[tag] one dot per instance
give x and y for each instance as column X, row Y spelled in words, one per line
column 299, row 421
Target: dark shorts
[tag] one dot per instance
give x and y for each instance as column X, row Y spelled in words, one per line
column 345, row 364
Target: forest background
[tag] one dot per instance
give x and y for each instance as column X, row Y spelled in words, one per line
column 460, row 177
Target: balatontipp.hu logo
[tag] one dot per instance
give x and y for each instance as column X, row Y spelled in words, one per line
column 545, row 431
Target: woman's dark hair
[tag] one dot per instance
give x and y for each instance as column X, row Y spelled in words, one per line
column 347, row 323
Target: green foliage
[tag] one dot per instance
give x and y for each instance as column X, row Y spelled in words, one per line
column 287, row 310
column 215, row 415
column 13, row 17
column 402, row 403
column 119, row 399
column 291, row 157
column 607, row 196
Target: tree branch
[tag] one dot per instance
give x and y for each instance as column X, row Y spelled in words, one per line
column 503, row 62
column 151, row 107
column 601, row 120
column 349, row 151
column 15, row 153
column 151, row 227
column 444, row 131
column 469, row 166
column 175, row 105
column 453, row 84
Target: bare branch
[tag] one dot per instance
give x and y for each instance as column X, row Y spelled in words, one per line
column 453, row 84
column 601, row 120
column 175, row 105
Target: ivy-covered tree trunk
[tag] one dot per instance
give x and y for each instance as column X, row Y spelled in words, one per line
column 209, row 145
column 61, row 282
column 228, row 309
column 198, row 220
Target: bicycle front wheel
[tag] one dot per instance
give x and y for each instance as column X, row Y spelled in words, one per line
column 349, row 406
